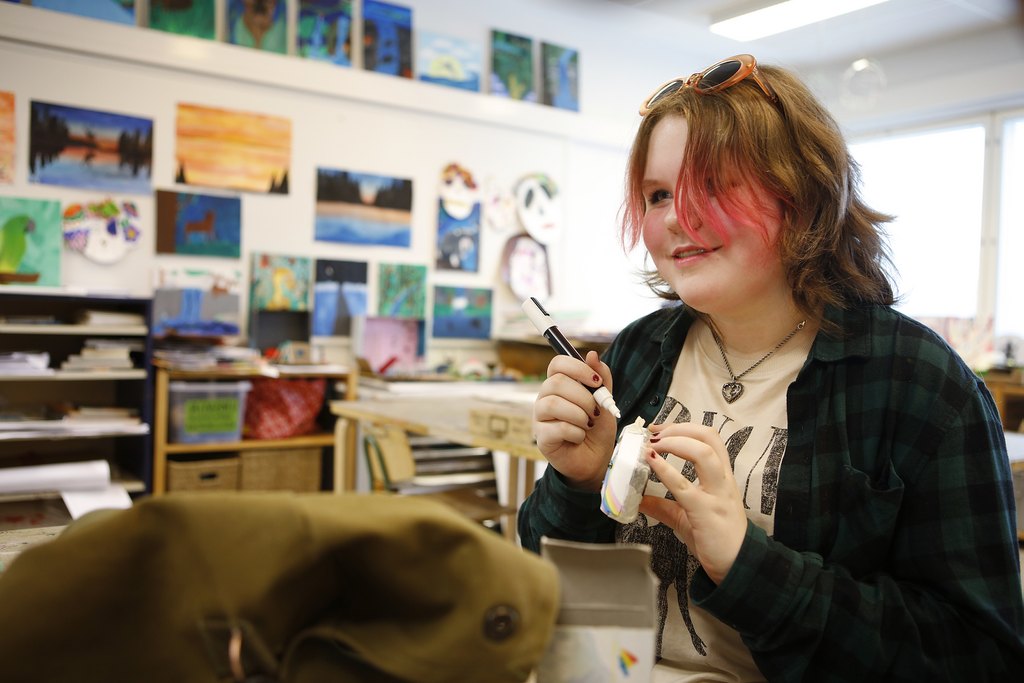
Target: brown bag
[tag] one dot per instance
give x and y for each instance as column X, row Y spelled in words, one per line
column 276, row 587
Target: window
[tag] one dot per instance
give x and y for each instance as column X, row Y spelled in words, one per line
column 1009, row 304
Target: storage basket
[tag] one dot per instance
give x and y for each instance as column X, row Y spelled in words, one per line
column 286, row 469
column 220, row 474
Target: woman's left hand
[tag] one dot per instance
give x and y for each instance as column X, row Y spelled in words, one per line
column 707, row 515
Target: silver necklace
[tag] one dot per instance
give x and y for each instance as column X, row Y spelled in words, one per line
column 734, row 389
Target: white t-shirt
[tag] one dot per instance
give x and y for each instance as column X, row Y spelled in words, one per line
column 694, row 645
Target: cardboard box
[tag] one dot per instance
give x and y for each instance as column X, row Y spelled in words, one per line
column 607, row 617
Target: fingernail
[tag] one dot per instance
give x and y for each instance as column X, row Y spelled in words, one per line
column 590, row 423
column 597, row 412
column 597, row 378
column 652, row 454
column 655, row 439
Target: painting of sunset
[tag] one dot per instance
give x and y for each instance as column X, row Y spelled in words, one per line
column 89, row 149
column 232, row 149
column 363, row 208
column 6, row 137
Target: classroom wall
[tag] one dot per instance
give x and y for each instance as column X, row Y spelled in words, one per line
column 351, row 119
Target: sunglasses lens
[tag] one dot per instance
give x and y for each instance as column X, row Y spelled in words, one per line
column 718, row 74
column 665, row 91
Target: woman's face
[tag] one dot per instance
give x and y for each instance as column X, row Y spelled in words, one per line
column 729, row 277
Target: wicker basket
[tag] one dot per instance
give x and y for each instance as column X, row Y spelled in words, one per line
column 287, row 469
column 220, row 474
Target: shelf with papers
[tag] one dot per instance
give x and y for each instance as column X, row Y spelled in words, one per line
column 72, row 390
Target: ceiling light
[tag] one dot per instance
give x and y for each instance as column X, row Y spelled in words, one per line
column 783, row 16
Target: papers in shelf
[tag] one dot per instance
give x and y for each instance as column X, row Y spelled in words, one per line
column 27, row 363
column 84, row 486
column 63, row 428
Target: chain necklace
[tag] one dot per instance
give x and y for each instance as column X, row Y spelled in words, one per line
column 734, row 389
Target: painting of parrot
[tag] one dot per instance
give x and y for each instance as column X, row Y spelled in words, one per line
column 30, row 241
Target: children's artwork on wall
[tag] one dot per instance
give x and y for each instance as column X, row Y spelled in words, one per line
column 90, row 149
column 387, row 38
column 259, row 24
column 279, row 283
column 233, row 149
column 196, row 18
column 402, row 290
column 458, row 221
column 539, row 207
column 30, row 238
column 362, row 208
column 338, row 295
column 104, row 232
column 117, row 11
column 462, row 312
column 197, row 302
column 198, row 224
column 390, row 344
column 6, row 137
column 499, row 208
column 524, row 268
column 559, row 75
column 512, row 66
column 325, row 31
column 449, row 61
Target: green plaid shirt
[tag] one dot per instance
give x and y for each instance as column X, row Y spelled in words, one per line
column 894, row 555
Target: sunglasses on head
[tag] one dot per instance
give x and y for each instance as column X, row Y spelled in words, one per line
column 715, row 78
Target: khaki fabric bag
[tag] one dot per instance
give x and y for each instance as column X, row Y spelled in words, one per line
column 276, row 587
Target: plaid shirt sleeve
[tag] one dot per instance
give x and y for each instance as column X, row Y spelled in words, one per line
column 895, row 554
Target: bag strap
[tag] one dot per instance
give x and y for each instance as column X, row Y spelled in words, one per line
column 237, row 650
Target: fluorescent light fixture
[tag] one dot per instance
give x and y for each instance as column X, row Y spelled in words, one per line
column 783, row 16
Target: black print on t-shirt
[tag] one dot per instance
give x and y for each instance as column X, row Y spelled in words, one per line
column 671, row 560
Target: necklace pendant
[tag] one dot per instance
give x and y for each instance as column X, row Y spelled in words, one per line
column 731, row 391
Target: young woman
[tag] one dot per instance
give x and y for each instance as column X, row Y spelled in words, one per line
column 831, row 497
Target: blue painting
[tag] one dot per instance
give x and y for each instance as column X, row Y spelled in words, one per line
column 89, row 149
column 197, row 302
column 403, row 290
column 339, row 294
column 462, row 313
column 198, row 224
column 387, row 38
column 117, row 11
column 449, row 61
column 362, row 208
column 560, row 68
column 324, row 30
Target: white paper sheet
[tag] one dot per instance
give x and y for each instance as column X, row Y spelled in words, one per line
column 112, row 496
column 72, row 476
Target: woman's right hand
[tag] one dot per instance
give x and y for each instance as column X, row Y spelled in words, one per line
column 573, row 432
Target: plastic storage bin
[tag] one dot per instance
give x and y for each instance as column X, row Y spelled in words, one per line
column 206, row 412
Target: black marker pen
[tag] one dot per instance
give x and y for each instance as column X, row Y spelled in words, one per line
column 546, row 326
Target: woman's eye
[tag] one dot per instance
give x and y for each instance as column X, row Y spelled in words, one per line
column 658, row 196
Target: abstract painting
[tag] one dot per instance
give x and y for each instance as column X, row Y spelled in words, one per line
column 402, row 290
column 196, row 18
column 198, row 224
column 339, row 294
column 387, row 38
column 458, row 221
column 6, row 137
column 449, row 61
column 559, row 75
column 197, row 302
column 233, row 149
column 279, row 283
column 117, row 11
column 325, row 31
column 30, row 242
column 260, row 24
column 512, row 66
column 462, row 312
column 91, row 149
column 104, row 232
column 362, row 208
